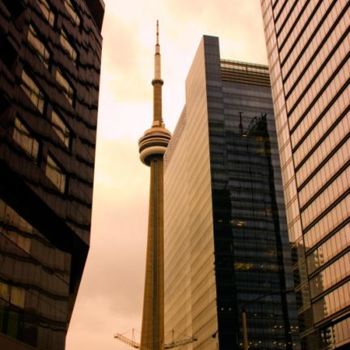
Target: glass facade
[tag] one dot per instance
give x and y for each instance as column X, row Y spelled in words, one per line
column 34, row 284
column 308, row 49
column 48, row 120
column 226, row 244
column 189, row 280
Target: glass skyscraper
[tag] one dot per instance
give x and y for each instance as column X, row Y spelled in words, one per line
column 50, row 54
column 308, row 50
column 226, row 243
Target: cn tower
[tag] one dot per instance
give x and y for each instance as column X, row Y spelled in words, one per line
column 152, row 146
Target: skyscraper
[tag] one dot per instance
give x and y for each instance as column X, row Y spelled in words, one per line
column 49, row 82
column 153, row 145
column 226, row 244
column 308, row 49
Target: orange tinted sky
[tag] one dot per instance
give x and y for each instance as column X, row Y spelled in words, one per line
column 111, row 292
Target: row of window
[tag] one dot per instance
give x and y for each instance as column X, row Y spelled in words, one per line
column 30, row 145
column 50, row 16
column 330, row 275
column 332, row 302
column 323, row 125
column 331, row 79
column 32, row 90
column 337, row 333
column 324, row 102
column 12, row 294
column 324, row 149
column 329, row 222
column 42, row 50
column 320, row 45
column 330, row 195
column 26, row 237
column 325, row 174
column 328, row 60
column 297, row 45
column 334, row 245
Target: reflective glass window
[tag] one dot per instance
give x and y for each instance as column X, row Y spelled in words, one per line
column 66, row 86
column 55, row 173
column 72, row 11
column 47, row 11
column 25, row 139
column 32, row 90
column 17, row 296
column 60, row 128
column 68, row 47
column 38, row 46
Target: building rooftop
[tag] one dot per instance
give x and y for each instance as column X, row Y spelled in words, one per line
column 246, row 73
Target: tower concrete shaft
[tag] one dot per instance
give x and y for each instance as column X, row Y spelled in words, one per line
column 152, row 146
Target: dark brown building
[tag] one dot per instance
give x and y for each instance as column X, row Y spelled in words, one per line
column 50, row 55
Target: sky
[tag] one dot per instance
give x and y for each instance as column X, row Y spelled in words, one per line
column 111, row 292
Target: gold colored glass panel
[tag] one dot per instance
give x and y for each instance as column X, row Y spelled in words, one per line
column 55, row 174
column 61, row 129
column 25, row 140
column 68, row 47
column 32, row 90
column 47, row 11
column 38, row 46
column 67, row 88
column 72, row 12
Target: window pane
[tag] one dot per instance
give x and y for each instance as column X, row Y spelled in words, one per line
column 47, row 12
column 60, row 128
column 55, row 174
column 38, row 46
column 68, row 46
column 17, row 296
column 24, row 139
column 72, row 12
column 32, row 91
column 67, row 89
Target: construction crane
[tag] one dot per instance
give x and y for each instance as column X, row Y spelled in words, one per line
column 173, row 344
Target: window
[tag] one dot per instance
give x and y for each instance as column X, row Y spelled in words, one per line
column 12, row 294
column 61, row 128
column 47, row 11
column 65, row 85
column 68, row 47
column 38, row 46
column 32, row 90
column 17, row 296
column 55, row 174
column 72, row 11
column 25, row 139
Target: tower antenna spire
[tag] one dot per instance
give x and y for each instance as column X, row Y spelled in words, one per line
column 152, row 146
column 157, row 68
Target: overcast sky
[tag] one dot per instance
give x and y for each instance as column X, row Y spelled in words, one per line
column 111, row 293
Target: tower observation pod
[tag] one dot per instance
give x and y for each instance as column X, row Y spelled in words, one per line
column 152, row 146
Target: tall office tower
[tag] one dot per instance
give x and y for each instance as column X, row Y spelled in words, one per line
column 226, row 244
column 308, row 49
column 152, row 147
column 49, row 82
